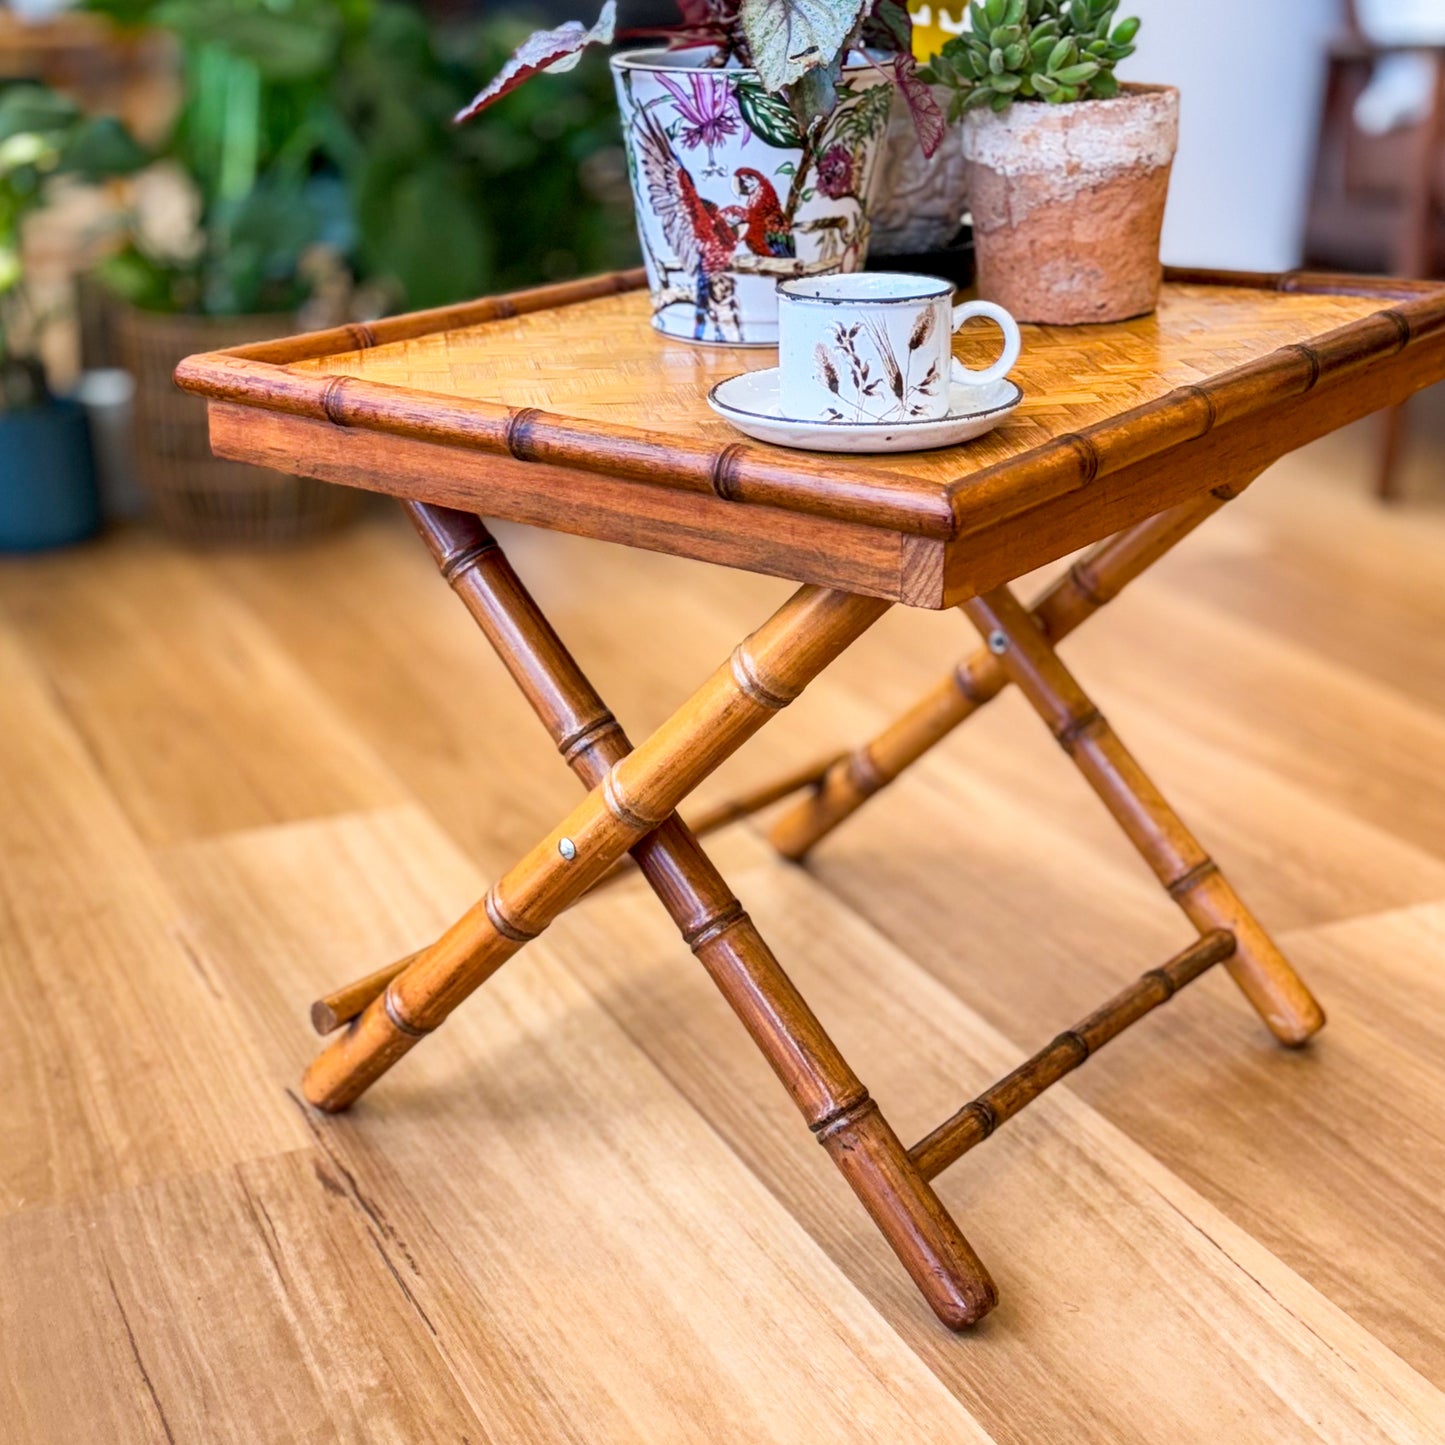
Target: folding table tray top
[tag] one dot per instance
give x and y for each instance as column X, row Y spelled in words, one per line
column 561, row 407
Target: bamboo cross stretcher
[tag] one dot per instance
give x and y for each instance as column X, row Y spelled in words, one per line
column 367, row 407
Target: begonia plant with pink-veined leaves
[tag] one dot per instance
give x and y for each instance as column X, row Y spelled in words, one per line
column 797, row 48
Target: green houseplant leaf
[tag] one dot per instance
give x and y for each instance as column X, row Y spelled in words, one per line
column 358, row 165
column 787, row 38
column 284, row 44
column 101, row 146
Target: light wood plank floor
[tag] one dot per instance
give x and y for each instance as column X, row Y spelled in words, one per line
column 584, row 1211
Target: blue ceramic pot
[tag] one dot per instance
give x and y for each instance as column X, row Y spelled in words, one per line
column 48, row 495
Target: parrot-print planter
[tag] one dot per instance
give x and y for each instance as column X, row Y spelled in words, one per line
column 730, row 197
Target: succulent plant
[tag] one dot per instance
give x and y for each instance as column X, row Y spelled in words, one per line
column 1050, row 50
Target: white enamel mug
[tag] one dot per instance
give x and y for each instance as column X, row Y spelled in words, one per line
column 878, row 347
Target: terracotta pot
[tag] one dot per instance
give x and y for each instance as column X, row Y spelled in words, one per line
column 729, row 199
column 1068, row 204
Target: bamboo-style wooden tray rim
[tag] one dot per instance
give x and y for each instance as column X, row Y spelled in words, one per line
column 260, row 375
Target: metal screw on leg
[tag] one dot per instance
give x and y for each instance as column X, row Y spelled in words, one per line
column 998, row 643
column 567, row 848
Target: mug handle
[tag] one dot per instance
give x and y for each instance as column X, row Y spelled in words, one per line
column 1012, row 343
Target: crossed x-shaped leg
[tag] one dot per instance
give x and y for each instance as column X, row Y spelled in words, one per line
column 631, row 808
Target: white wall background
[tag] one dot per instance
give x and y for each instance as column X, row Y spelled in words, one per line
column 1250, row 75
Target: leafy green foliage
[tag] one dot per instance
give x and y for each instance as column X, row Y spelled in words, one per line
column 324, row 128
column 887, row 26
column 788, row 39
column 42, row 136
column 253, row 138
column 292, row 42
column 1050, row 50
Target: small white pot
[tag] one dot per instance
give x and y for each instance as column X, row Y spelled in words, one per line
column 729, row 200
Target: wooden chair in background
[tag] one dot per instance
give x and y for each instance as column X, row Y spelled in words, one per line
column 1376, row 201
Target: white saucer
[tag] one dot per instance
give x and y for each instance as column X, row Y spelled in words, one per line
column 750, row 403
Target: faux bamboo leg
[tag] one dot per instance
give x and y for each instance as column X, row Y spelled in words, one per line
column 1191, row 877
column 1392, row 444
column 973, row 1123
column 1087, row 586
column 764, row 674
column 344, row 1004
column 736, row 809
column 717, row 929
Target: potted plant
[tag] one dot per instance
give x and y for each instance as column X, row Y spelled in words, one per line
column 753, row 138
column 47, row 476
column 313, row 176
column 226, row 224
column 1068, row 168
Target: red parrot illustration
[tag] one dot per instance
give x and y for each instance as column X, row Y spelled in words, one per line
column 766, row 230
column 700, row 234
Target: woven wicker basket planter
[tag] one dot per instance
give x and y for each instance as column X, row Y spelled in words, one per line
column 196, row 495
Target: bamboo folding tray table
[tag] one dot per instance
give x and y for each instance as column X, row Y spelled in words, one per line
column 561, row 408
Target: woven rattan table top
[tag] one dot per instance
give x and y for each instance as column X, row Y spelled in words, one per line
column 561, row 407
column 601, row 361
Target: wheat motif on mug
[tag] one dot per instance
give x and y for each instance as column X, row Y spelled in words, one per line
column 888, row 393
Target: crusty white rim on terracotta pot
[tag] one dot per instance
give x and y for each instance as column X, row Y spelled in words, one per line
column 1017, row 141
column 1068, row 204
